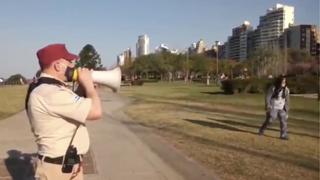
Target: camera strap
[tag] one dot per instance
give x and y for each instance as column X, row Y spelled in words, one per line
column 47, row 80
column 42, row 80
column 74, row 134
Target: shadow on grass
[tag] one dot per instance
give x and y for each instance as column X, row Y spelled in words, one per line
column 215, row 93
column 295, row 159
column 222, row 126
column 237, row 123
column 217, row 125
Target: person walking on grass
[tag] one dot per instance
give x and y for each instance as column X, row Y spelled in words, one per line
column 277, row 106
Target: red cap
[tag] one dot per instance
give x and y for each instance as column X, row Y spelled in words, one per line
column 53, row 52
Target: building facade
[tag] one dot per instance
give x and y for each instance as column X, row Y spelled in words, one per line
column 142, row 46
column 237, row 46
column 200, row 47
column 273, row 24
column 125, row 57
column 303, row 37
column 164, row 48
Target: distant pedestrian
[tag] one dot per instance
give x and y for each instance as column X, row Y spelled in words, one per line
column 277, row 106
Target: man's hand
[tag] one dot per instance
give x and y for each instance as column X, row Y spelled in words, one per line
column 85, row 79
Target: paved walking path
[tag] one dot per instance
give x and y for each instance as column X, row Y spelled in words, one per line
column 120, row 149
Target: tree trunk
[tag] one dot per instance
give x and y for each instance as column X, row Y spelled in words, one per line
column 231, row 73
column 186, row 76
column 170, row 76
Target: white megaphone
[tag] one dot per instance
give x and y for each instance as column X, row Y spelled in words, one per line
column 110, row 78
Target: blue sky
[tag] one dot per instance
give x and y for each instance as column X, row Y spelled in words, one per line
column 114, row 25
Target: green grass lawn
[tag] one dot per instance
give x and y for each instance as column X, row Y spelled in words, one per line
column 220, row 130
column 11, row 100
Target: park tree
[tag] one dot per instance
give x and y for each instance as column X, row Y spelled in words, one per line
column 16, row 79
column 154, row 66
column 167, row 65
column 230, row 67
column 265, row 62
column 178, row 64
column 186, row 66
column 298, row 56
column 300, row 62
column 201, row 65
column 89, row 58
column 141, row 65
column 127, row 68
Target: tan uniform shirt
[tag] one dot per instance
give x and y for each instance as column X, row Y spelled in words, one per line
column 54, row 113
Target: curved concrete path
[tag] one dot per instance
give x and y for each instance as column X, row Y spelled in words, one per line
column 120, row 149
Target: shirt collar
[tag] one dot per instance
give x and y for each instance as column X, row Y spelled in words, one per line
column 50, row 76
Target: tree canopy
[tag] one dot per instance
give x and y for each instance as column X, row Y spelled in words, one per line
column 89, row 58
column 16, row 79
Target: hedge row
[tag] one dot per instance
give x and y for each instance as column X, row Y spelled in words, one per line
column 297, row 85
column 304, row 84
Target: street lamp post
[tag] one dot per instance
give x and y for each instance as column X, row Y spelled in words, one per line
column 187, row 67
column 217, row 59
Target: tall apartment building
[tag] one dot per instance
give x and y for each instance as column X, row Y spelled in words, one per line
column 238, row 43
column 142, row 46
column 197, row 48
column 125, row 57
column 304, row 37
column 192, row 48
column 200, row 47
column 273, row 24
column 164, row 48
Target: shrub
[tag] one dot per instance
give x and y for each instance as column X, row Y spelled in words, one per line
column 15, row 79
column 228, row 86
column 297, row 85
column 303, row 84
column 137, row 82
column 259, row 85
column 241, row 85
column 150, row 80
column 245, row 86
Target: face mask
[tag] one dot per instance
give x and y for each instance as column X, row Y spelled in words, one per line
column 69, row 73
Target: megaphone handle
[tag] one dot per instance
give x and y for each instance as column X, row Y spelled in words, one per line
column 75, row 75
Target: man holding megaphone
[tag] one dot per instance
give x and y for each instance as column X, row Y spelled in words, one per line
column 57, row 115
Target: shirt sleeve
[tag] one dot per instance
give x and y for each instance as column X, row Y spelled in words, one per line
column 69, row 105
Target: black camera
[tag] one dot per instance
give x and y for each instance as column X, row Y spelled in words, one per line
column 71, row 158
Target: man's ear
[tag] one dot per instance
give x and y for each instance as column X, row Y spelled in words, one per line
column 56, row 66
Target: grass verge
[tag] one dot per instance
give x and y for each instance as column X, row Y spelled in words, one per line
column 11, row 100
column 220, row 131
